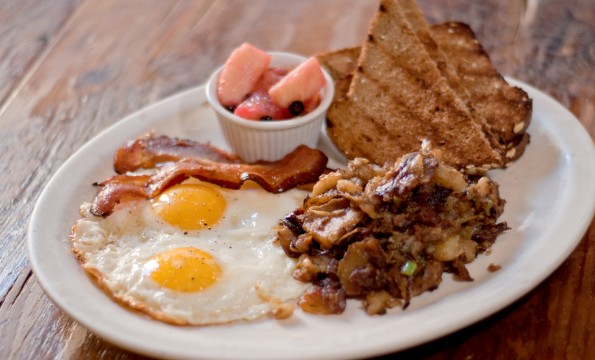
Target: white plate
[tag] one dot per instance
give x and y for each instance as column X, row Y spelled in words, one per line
column 551, row 201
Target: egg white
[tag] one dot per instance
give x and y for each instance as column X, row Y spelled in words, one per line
column 255, row 273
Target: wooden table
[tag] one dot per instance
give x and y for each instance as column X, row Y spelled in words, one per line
column 70, row 68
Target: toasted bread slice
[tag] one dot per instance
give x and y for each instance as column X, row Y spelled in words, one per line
column 418, row 23
column 398, row 90
column 506, row 109
column 340, row 65
column 417, row 20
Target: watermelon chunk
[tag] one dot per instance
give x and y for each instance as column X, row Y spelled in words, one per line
column 301, row 84
column 311, row 104
column 241, row 72
column 270, row 77
column 258, row 106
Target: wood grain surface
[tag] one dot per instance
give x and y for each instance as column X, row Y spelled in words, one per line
column 70, row 68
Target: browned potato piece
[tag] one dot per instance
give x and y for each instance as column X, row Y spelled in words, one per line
column 326, row 298
column 360, row 270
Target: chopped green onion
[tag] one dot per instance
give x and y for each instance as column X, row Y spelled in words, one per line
column 408, row 268
column 488, row 207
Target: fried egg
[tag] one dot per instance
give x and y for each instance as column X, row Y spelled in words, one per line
column 198, row 254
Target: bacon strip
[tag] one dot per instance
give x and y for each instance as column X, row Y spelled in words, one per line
column 302, row 166
column 147, row 152
column 117, row 189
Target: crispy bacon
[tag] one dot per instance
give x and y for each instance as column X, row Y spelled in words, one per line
column 149, row 151
column 117, row 189
column 303, row 165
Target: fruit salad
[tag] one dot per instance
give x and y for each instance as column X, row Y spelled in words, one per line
column 252, row 89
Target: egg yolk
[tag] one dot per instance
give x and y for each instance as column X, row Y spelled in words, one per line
column 185, row 269
column 190, row 206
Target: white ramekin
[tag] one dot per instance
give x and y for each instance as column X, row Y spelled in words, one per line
column 271, row 140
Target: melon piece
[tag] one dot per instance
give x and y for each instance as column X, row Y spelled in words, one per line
column 311, row 104
column 270, row 77
column 241, row 72
column 258, row 106
column 301, row 84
